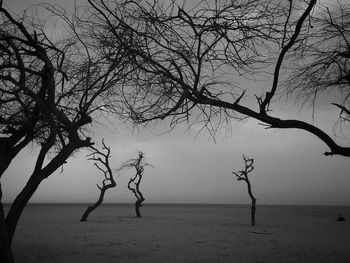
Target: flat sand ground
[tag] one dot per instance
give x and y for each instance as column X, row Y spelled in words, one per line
column 183, row 233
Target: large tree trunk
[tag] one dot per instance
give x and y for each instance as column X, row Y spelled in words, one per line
column 5, row 244
column 39, row 174
column 6, row 255
column 7, row 154
column 20, row 203
column 5, row 160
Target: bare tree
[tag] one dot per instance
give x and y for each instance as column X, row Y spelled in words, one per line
column 50, row 92
column 101, row 162
column 134, row 183
column 243, row 176
column 29, row 68
column 190, row 61
column 321, row 64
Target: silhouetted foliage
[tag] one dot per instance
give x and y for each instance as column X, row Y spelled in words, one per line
column 192, row 62
column 243, row 176
column 101, row 162
column 134, row 183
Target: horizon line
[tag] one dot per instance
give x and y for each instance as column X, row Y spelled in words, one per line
column 168, row 203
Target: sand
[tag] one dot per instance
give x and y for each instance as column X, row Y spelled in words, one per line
column 183, row 233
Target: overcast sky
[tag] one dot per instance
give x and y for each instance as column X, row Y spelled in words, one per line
column 290, row 167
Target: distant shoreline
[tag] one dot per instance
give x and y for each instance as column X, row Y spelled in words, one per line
column 173, row 205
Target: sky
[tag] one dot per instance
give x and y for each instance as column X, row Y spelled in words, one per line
column 290, row 167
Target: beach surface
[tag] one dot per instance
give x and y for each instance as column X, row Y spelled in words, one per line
column 182, row 233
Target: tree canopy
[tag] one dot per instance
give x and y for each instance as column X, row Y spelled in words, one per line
column 52, row 89
column 191, row 62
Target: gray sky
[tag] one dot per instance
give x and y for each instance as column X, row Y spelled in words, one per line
column 289, row 165
column 289, row 169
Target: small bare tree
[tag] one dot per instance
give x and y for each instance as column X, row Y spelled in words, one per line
column 243, row 176
column 134, row 183
column 101, row 162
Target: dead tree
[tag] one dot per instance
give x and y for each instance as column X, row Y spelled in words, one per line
column 135, row 181
column 243, row 176
column 101, row 162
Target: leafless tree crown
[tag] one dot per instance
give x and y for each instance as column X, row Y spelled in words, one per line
column 190, row 62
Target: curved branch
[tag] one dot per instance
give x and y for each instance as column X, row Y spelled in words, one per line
column 274, row 122
column 269, row 95
column 108, row 182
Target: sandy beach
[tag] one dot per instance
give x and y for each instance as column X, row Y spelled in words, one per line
column 183, row 233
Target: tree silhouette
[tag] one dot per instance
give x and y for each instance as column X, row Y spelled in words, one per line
column 192, row 63
column 134, row 183
column 243, row 176
column 31, row 110
column 51, row 90
column 101, row 162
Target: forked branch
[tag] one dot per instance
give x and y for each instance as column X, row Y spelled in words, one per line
column 243, row 176
column 134, row 183
column 101, row 162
